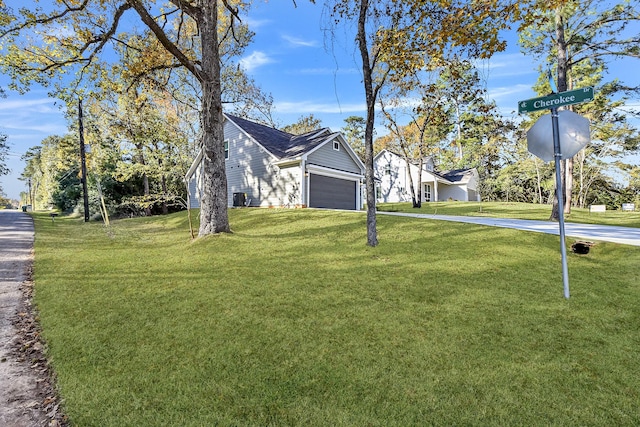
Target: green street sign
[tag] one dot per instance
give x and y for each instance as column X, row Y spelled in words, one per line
column 556, row 100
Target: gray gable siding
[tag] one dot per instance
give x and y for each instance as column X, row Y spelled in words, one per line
column 250, row 170
column 327, row 156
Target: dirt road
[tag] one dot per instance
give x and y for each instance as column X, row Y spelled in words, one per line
column 26, row 395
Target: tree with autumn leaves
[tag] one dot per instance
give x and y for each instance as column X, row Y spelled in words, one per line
column 577, row 39
column 77, row 37
column 397, row 39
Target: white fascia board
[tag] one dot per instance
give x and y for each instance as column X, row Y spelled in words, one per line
column 381, row 153
column 320, row 132
column 287, row 162
column 194, row 165
column 335, row 173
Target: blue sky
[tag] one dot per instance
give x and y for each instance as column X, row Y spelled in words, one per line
column 290, row 58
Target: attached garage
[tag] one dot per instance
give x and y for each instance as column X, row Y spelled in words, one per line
column 333, row 193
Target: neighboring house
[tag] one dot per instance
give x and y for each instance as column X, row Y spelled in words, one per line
column 271, row 168
column 393, row 185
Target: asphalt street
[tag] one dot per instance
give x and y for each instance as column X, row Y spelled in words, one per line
column 20, row 400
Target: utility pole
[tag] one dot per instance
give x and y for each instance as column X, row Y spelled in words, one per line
column 83, row 163
column 30, row 195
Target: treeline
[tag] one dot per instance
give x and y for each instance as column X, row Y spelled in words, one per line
column 148, row 112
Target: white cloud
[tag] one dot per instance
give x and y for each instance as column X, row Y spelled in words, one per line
column 507, row 65
column 21, row 118
column 255, row 23
column 297, row 42
column 513, row 93
column 255, row 60
column 39, row 105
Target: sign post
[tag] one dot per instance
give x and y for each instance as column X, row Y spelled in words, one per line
column 552, row 102
column 558, row 155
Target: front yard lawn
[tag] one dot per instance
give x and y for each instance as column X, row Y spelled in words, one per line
column 293, row 320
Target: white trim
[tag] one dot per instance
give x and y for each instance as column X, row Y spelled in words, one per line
column 317, row 133
column 288, row 161
column 321, row 170
column 194, row 165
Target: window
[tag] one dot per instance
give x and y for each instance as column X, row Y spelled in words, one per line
column 387, row 170
column 336, row 145
column 378, row 192
column 226, row 150
column 427, row 192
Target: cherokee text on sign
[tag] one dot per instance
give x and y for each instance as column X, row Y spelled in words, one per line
column 556, row 100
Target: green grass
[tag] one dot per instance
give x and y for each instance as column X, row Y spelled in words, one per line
column 516, row 210
column 293, row 320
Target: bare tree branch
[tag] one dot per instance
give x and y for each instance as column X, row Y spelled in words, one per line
column 164, row 40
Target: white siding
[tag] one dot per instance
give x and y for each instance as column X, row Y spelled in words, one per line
column 250, row 170
column 393, row 182
column 392, row 178
column 452, row 192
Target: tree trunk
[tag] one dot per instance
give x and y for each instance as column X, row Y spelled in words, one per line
column 372, row 234
column 165, row 208
column 412, row 188
column 146, row 191
column 145, row 178
column 458, row 132
column 568, row 185
column 561, row 47
column 581, row 191
column 420, row 166
column 538, row 181
column 213, row 213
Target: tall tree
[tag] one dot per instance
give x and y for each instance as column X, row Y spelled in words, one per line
column 429, row 121
column 33, row 174
column 92, row 26
column 353, row 131
column 4, row 146
column 566, row 34
column 4, row 152
column 396, row 38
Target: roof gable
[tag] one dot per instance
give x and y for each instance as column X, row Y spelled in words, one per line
column 279, row 143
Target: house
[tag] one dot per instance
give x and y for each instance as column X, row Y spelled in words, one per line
column 270, row 168
column 393, row 184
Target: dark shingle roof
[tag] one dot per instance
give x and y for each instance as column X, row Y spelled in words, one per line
column 456, row 175
column 281, row 144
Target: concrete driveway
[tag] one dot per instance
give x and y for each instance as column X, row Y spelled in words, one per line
column 606, row 233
